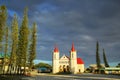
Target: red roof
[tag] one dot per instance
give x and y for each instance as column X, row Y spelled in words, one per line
column 80, row 61
column 56, row 49
column 73, row 48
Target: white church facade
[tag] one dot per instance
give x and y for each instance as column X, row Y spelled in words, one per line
column 67, row 64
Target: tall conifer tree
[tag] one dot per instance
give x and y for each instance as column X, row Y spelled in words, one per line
column 14, row 41
column 105, row 60
column 5, row 49
column 6, row 42
column 3, row 18
column 32, row 48
column 97, row 56
column 23, row 42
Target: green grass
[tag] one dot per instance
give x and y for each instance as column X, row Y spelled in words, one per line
column 11, row 77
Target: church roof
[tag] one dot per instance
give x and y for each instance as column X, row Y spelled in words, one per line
column 56, row 49
column 73, row 48
column 68, row 57
column 80, row 61
column 64, row 57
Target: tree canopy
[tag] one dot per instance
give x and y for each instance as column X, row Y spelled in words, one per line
column 105, row 59
column 32, row 47
column 40, row 65
column 97, row 55
column 118, row 65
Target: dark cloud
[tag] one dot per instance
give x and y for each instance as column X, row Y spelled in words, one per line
column 83, row 22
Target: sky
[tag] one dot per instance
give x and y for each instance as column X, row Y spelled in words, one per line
column 63, row 22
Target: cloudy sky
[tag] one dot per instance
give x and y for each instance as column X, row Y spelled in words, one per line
column 62, row 22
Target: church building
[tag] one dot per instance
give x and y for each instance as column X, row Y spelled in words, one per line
column 67, row 64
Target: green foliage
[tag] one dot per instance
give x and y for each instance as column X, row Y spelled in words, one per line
column 3, row 18
column 32, row 48
column 105, row 60
column 23, row 41
column 20, row 40
column 97, row 56
column 40, row 65
column 14, row 39
column 118, row 65
column 5, row 62
column 6, row 41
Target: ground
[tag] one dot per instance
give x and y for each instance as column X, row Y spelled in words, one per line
column 85, row 76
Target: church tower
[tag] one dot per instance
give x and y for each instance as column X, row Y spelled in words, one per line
column 73, row 60
column 55, row 61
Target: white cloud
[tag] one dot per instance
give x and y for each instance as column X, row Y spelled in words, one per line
column 42, row 61
column 87, row 37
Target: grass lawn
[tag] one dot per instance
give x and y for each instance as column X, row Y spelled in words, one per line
column 11, row 77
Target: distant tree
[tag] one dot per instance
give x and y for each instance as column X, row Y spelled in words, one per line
column 5, row 49
column 88, row 70
column 13, row 55
column 40, row 65
column 97, row 56
column 105, row 59
column 32, row 48
column 23, row 42
column 118, row 65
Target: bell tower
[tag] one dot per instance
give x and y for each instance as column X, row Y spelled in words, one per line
column 73, row 60
column 55, row 61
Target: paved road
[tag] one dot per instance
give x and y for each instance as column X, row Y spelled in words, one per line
column 73, row 77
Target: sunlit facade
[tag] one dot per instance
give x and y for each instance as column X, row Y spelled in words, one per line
column 67, row 63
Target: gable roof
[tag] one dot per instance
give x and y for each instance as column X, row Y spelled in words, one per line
column 64, row 57
column 80, row 61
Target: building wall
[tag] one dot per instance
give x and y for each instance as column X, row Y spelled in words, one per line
column 81, row 68
column 56, row 62
column 73, row 62
column 64, row 64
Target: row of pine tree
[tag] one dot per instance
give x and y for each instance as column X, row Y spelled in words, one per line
column 23, row 42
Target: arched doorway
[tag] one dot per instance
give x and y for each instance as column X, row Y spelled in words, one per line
column 64, row 68
column 60, row 68
column 68, row 69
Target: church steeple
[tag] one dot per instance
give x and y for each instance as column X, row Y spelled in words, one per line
column 56, row 49
column 73, row 60
column 55, row 63
column 73, row 48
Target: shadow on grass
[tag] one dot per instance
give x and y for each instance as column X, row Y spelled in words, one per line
column 63, row 73
column 12, row 77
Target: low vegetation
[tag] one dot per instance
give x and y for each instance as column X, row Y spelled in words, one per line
column 41, row 65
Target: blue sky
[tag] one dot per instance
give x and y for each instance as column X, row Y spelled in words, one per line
column 62, row 22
